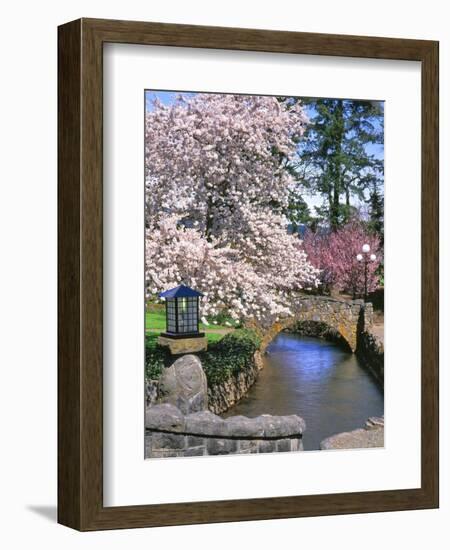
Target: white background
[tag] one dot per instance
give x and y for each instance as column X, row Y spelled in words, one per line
column 128, row 479
column 28, row 274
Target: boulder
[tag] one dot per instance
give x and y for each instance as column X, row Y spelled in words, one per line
column 375, row 422
column 362, row 438
column 164, row 417
column 184, row 385
column 206, row 423
column 241, row 426
column 282, row 426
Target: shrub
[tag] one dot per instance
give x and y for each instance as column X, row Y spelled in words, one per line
column 156, row 357
column 232, row 354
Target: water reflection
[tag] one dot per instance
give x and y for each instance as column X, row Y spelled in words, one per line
column 317, row 380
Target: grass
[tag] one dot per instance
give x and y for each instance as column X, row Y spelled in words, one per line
column 155, row 322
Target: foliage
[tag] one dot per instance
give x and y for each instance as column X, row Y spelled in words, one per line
column 213, row 157
column 334, row 253
column 230, row 355
column 334, row 159
column 376, row 212
column 297, row 211
column 216, row 187
column 225, row 356
column 156, row 357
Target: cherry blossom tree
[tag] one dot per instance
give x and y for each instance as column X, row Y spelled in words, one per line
column 334, row 253
column 216, row 186
column 213, row 156
column 251, row 279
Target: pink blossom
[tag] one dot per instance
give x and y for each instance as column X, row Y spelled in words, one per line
column 215, row 189
column 335, row 254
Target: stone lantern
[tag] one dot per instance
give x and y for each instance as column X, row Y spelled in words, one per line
column 182, row 321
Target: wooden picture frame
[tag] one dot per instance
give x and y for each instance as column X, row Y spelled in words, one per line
column 80, row 272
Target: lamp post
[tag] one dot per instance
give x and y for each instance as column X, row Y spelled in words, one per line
column 182, row 321
column 366, row 258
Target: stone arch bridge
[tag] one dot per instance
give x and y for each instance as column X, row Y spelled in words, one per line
column 347, row 318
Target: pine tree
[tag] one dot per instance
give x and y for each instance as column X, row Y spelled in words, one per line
column 334, row 159
column 376, row 212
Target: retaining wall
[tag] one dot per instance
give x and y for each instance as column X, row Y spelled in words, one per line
column 222, row 397
column 170, row 433
column 370, row 352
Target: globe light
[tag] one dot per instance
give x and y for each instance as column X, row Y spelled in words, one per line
column 373, row 257
column 359, row 257
column 366, row 248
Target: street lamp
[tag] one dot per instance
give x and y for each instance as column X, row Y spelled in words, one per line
column 364, row 257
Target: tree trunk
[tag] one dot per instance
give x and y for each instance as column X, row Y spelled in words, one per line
column 338, row 183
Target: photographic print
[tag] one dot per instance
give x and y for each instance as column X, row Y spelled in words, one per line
column 264, row 274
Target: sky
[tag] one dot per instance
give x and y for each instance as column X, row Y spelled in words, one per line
column 168, row 98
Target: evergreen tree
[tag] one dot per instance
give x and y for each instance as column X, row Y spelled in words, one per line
column 376, row 212
column 297, row 212
column 333, row 157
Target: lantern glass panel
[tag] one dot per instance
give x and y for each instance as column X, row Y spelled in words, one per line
column 187, row 315
column 171, row 316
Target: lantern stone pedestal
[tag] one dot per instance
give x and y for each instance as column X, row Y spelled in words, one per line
column 179, row 345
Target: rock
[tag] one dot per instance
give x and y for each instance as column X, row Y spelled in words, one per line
column 241, row 426
column 206, row 423
column 167, row 441
column 248, row 446
column 151, row 392
column 283, row 445
column 194, row 441
column 362, row 438
column 224, row 395
column 177, row 346
column 184, row 385
column 296, row 444
column 194, row 451
column 267, row 446
column 164, row 417
column 375, row 422
column 282, row 426
column 220, row 446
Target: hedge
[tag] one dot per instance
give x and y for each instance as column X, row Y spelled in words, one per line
column 233, row 353
column 230, row 355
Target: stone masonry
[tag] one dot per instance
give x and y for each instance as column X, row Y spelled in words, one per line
column 177, row 346
column 179, row 424
column 170, row 433
column 371, row 353
column 346, row 317
column 223, row 396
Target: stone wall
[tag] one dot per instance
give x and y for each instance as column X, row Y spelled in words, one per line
column 170, row 433
column 151, row 392
column 223, row 396
column 183, row 385
column 370, row 352
column 342, row 316
column 180, row 424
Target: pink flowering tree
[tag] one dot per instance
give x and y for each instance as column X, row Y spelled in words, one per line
column 335, row 254
column 216, row 185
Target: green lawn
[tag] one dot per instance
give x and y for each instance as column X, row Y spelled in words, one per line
column 155, row 322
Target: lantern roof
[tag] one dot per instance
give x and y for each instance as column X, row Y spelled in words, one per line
column 180, row 291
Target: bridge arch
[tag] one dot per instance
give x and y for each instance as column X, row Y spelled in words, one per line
column 346, row 317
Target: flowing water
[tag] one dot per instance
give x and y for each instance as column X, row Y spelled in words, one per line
column 318, row 380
